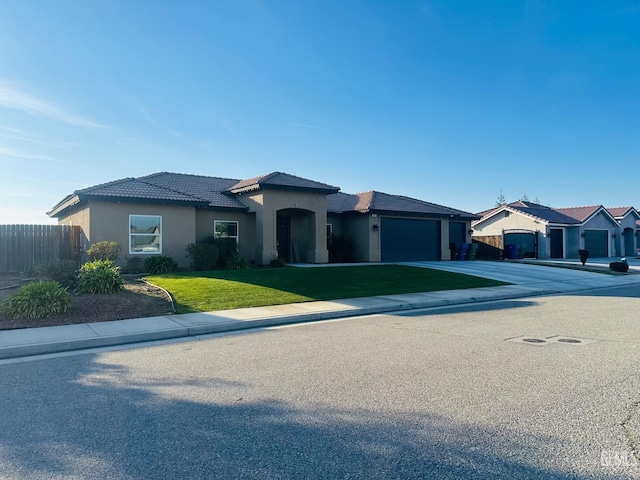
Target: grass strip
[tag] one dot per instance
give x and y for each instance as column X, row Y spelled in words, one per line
column 223, row 290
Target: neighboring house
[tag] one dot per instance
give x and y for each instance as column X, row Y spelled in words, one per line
column 627, row 240
column 554, row 232
column 274, row 215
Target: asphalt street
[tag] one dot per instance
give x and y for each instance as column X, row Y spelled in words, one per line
column 439, row 393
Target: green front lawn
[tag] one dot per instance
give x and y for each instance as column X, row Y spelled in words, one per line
column 222, row 290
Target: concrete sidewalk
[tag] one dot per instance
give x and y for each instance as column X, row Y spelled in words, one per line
column 527, row 281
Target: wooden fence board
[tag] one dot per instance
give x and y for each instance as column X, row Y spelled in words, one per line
column 489, row 247
column 23, row 247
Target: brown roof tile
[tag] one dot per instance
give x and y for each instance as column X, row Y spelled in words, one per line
column 283, row 181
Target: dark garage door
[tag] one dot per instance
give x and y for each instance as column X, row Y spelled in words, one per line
column 523, row 239
column 597, row 243
column 404, row 240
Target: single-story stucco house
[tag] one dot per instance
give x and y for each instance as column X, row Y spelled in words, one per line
column 560, row 232
column 274, row 215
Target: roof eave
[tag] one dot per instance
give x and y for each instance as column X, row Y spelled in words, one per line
column 458, row 216
column 66, row 203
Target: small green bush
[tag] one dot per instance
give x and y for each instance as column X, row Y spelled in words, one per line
column 203, row 254
column 584, row 256
column 342, row 250
column 104, row 251
column 37, row 300
column 211, row 252
column 99, row 276
column 227, row 248
column 159, row 264
column 621, row 266
column 63, row 271
column 277, row 262
column 237, row 262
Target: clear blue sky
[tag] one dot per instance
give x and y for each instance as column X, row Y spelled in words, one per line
column 447, row 101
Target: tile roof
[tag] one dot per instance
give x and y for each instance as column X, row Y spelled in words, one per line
column 170, row 187
column 580, row 213
column 207, row 188
column 551, row 215
column 135, row 188
column 283, row 181
column 619, row 212
column 380, row 202
column 344, row 202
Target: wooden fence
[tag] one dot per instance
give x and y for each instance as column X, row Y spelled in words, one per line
column 489, row 247
column 23, row 247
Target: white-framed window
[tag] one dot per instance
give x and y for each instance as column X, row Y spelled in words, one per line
column 145, row 234
column 225, row 229
column 329, row 233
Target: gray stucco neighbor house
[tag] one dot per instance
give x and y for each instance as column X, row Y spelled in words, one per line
column 274, row 215
column 561, row 232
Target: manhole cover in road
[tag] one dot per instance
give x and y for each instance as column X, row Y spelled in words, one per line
column 533, row 340
column 579, row 342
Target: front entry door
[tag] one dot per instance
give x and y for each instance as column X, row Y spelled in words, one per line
column 283, row 237
column 556, row 240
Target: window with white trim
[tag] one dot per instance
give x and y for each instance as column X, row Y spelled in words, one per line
column 329, row 233
column 225, row 229
column 145, row 234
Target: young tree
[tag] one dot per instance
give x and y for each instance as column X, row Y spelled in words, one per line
column 501, row 200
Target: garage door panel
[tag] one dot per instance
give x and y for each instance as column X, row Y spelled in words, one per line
column 405, row 240
column 597, row 243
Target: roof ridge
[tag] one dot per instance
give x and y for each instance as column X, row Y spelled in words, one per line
column 188, row 175
column 172, row 190
column 102, row 185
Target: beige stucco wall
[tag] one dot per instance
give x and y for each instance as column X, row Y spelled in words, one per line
column 110, row 222
column 499, row 222
column 358, row 228
column 266, row 204
column 246, row 228
column 80, row 216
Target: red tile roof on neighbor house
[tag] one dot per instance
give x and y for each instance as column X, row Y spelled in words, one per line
column 380, row 202
column 619, row 212
column 581, row 214
column 282, row 181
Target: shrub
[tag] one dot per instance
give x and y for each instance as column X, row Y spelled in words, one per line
column 227, row 249
column 104, row 251
column 584, row 255
column 342, row 249
column 37, row 300
column 621, row 266
column 211, row 252
column 237, row 262
column 203, row 254
column 64, row 272
column 99, row 276
column 159, row 264
column 277, row 262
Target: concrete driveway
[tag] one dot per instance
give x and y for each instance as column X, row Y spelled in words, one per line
column 559, row 279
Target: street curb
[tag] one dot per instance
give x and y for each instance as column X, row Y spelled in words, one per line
column 176, row 330
column 182, row 331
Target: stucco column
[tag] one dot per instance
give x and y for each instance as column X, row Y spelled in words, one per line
column 317, row 251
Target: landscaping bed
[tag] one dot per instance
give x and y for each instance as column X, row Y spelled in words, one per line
column 136, row 300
